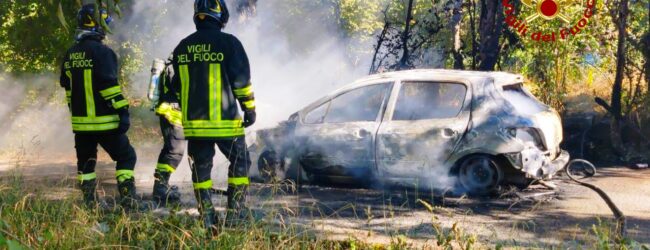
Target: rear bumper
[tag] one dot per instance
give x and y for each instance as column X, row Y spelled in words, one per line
column 556, row 165
column 535, row 164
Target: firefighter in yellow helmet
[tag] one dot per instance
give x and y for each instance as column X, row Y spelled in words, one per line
column 212, row 76
column 100, row 114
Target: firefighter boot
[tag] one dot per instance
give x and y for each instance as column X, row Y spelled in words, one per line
column 89, row 193
column 91, row 200
column 163, row 193
column 128, row 197
column 206, row 209
column 237, row 212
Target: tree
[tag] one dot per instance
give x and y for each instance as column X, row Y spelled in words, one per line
column 32, row 38
column 621, row 25
column 455, row 24
column 411, row 36
column 490, row 28
column 405, row 37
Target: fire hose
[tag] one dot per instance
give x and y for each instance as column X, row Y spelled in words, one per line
column 591, row 171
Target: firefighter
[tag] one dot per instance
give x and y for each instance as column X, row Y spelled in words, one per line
column 212, row 74
column 100, row 113
column 173, row 140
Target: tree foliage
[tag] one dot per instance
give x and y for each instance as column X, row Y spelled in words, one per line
column 463, row 34
column 32, row 38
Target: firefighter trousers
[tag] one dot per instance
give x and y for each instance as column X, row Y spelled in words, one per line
column 171, row 154
column 118, row 148
column 201, row 152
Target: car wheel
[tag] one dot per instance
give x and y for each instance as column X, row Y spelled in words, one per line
column 267, row 165
column 479, row 174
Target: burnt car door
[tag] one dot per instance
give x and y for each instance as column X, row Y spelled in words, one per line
column 337, row 138
column 424, row 122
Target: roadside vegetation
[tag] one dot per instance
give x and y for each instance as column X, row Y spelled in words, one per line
column 50, row 215
column 43, row 218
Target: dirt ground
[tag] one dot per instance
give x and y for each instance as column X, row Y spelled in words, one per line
column 532, row 218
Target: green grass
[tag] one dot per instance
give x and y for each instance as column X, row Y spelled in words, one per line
column 30, row 218
column 49, row 215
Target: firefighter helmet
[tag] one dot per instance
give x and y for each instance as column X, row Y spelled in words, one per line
column 216, row 9
column 86, row 20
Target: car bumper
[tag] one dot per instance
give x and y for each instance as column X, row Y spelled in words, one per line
column 535, row 164
column 556, row 165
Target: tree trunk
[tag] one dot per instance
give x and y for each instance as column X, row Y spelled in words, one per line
column 621, row 24
column 645, row 44
column 456, row 19
column 490, row 29
column 472, row 24
column 616, row 106
column 374, row 65
column 405, row 37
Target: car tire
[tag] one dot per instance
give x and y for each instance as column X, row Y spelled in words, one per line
column 268, row 165
column 274, row 167
column 479, row 174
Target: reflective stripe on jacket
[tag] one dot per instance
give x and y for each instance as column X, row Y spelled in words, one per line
column 168, row 103
column 212, row 74
column 89, row 76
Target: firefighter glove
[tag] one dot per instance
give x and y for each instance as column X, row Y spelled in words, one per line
column 249, row 118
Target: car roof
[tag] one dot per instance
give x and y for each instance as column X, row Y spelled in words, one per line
column 473, row 77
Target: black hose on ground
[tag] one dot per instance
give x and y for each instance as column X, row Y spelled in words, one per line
column 618, row 214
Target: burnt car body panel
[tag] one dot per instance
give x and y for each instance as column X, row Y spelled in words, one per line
column 370, row 128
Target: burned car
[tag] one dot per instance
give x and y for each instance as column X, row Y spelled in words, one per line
column 435, row 129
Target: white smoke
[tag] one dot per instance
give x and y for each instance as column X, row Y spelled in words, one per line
column 295, row 58
column 34, row 121
column 290, row 66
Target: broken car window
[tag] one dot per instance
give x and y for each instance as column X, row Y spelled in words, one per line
column 429, row 100
column 521, row 100
column 362, row 104
column 316, row 116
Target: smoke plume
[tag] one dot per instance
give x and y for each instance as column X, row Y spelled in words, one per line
column 293, row 60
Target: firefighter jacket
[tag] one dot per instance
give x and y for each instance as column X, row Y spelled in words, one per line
column 212, row 74
column 89, row 76
column 168, row 106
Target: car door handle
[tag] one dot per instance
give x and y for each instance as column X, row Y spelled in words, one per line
column 361, row 134
column 449, row 133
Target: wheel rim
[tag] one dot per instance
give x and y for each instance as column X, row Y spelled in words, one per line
column 479, row 174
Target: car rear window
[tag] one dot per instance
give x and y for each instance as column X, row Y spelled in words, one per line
column 429, row 100
column 521, row 99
